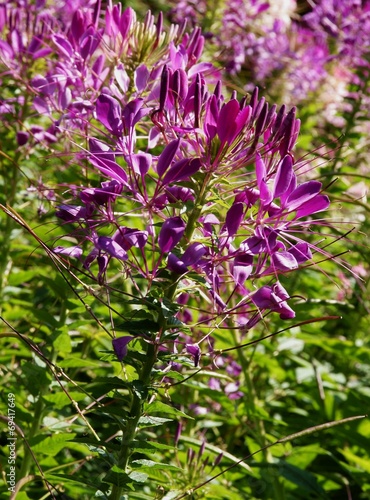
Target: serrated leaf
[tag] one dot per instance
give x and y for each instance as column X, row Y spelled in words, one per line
column 139, row 389
column 109, row 383
column 138, row 477
column 51, row 445
column 147, row 421
column 34, row 377
column 60, row 399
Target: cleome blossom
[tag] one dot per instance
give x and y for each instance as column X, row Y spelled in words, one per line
column 188, row 188
column 210, row 144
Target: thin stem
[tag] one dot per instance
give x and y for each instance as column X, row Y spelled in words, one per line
column 136, row 409
column 136, row 412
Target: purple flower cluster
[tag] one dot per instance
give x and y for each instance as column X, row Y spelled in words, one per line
column 272, row 46
column 200, row 190
column 217, row 151
column 344, row 25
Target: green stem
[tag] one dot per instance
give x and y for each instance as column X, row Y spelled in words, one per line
column 136, row 412
column 136, row 409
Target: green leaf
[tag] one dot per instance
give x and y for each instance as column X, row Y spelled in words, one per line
column 147, row 421
column 95, row 485
column 138, row 327
column 72, row 362
column 139, row 389
column 62, row 342
column 360, row 462
column 118, row 477
column 159, row 407
column 51, row 445
column 35, row 377
column 109, row 445
column 60, row 399
column 301, row 478
column 150, row 464
column 149, row 446
column 138, row 477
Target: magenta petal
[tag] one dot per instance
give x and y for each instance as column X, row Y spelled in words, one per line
column 102, row 261
column 284, row 176
column 254, row 245
column 280, row 291
column 179, row 193
column 194, row 350
column 90, row 258
column 242, row 119
column 141, row 163
column 108, row 112
column 120, row 346
column 176, row 264
column 122, row 77
column 171, row 233
column 182, row 170
column 101, row 150
column 63, row 45
column 273, row 298
column 193, row 253
column 284, row 261
column 317, row 204
column 226, row 124
column 234, row 218
column 286, row 312
column 302, row 194
column 242, row 268
column 211, row 117
column 111, row 247
column 69, row 251
column 71, row 213
column 141, row 76
column 109, row 169
column 301, row 252
column 265, row 194
column 262, row 298
column 166, row 157
column 128, row 237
